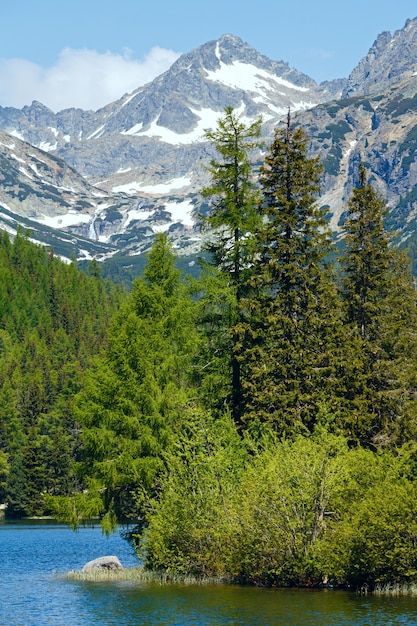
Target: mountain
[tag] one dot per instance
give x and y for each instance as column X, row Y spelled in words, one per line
column 41, row 192
column 138, row 163
column 146, row 153
column 390, row 61
column 154, row 134
column 375, row 122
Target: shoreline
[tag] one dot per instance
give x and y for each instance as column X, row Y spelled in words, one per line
column 140, row 575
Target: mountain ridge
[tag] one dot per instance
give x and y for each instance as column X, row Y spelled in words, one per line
column 390, row 59
column 147, row 154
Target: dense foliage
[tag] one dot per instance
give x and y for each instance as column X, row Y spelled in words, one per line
column 233, row 218
column 257, row 423
column 380, row 318
column 289, row 324
column 306, row 511
column 53, row 318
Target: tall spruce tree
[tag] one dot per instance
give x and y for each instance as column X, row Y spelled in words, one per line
column 287, row 364
column 367, row 260
column 380, row 313
column 232, row 219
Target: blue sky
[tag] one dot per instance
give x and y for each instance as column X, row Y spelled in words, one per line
column 88, row 53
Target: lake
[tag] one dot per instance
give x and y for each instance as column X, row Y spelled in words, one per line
column 33, row 591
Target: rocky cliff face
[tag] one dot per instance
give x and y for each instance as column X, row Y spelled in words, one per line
column 42, row 193
column 375, row 122
column 391, row 60
column 378, row 130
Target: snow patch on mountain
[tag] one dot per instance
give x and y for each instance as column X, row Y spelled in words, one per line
column 207, row 119
column 170, row 185
column 134, row 130
column 134, row 215
column 161, row 228
column 46, row 146
column 10, row 146
column 181, row 212
column 16, row 158
column 128, row 99
column 161, row 188
column 217, row 51
column 62, row 221
column 15, row 133
column 26, row 173
column 248, row 77
column 97, row 133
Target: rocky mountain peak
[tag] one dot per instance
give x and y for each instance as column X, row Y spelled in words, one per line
column 38, row 114
column 37, row 106
column 232, row 50
column 116, row 176
column 227, row 49
column 390, row 60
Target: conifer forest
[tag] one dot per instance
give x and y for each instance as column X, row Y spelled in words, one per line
column 257, row 423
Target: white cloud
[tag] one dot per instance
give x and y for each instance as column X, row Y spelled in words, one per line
column 80, row 78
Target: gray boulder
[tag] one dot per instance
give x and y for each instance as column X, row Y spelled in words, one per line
column 103, row 562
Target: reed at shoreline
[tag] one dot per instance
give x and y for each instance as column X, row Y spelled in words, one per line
column 139, row 574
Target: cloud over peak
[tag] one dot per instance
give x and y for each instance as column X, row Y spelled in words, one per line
column 80, row 78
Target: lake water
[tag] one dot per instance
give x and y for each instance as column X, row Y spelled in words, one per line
column 33, row 591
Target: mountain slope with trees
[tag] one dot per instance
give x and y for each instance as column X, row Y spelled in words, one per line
column 53, row 319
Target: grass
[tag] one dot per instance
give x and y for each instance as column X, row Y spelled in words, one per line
column 140, row 575
column 396, row 589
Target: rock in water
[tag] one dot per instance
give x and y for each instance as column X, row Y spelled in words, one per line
column 103, row 562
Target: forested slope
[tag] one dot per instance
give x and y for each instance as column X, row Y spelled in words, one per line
column 53, row 319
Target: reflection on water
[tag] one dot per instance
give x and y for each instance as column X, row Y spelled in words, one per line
column 34, row 593
column 223, row 605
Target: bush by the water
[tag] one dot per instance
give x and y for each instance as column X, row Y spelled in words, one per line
column 306, row 512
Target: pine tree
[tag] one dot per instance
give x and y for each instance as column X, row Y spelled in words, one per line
column 232, row 218
column 367, row 259
column 287, row 360
column 381, row 316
